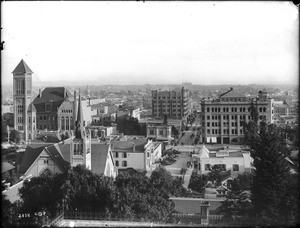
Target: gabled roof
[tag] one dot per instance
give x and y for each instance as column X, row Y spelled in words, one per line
column 231, row 94
column 65, row 150
column 55, row 154
column 55, row 95
column 33, row 151
column 19, row 157
column 204, row 152
column 30, row 155
column 22, row 68
column 99, row 155
column 6, row 167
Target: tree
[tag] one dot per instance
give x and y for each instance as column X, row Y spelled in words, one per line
column 238, row 198
column 139, row 196
column 271, row 175
column 42, row 194
column 174, row 131
column 15, row 136
column 9, row 212
column 215, row 174
column 251, row 128
column 85, row 190
column 197, row 182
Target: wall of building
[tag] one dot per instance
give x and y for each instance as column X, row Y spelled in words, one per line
column 65, row 116
column 134, row 160
column 174, row 104
column 159, row 131
column 224, row 120
column 44, row 161
column 243, row 162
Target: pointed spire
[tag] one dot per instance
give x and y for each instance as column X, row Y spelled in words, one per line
column 79, row 122
column 22, row 68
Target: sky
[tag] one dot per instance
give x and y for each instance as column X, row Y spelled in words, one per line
column 152, row 42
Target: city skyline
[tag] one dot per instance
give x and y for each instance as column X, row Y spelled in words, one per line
column 152, row 42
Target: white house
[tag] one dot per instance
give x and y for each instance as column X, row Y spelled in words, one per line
column 237, row 161
column 136, row 152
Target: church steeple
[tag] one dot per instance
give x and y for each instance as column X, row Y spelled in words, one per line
column 79, row 128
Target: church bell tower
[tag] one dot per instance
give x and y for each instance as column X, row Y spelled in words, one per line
column 22, row 96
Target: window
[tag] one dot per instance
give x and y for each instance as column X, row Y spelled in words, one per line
column 116, row 154
column 208, row 124
column 124, row 155
column 124, row 163
column 235, row 167
column 117, row 163
column 67, row 123
column 45, row 117
column 46, row 162
column 62, row 123
column 47, row 107
column 78, row 149
column 207, row 109
column 223, row 167
column 161, row 132
column 207, row 167
column 208, row 117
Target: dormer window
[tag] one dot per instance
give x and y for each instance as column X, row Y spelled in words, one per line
column 48, row 107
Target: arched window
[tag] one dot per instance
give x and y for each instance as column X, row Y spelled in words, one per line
column 71, row 123
column 62, row 123
column 67, row 123
column 45, row 172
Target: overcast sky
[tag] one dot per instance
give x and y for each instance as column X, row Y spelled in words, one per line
column 152, row 42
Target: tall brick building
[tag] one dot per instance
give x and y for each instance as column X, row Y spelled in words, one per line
column 175, row 104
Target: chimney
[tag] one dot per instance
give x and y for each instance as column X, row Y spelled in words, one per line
column 40, row 93
column 7, row 186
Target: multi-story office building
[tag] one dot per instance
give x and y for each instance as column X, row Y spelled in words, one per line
column 222, row 118
column 175, row 104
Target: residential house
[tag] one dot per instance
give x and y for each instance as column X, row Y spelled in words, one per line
column 238, row 161
column 159, row 132
column 136, row 152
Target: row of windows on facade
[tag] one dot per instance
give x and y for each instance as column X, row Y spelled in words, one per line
column 78, row 149
column 173, row 97
column 234, row 109
column 225, row 131
column 124, row 163
column 233, row 117
column 117, row 154
column 234, row 99
column 20, row 109
column 235, row 167
column 68, row 125
column 168, row 111
column 225, row 124
column 161, row 132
